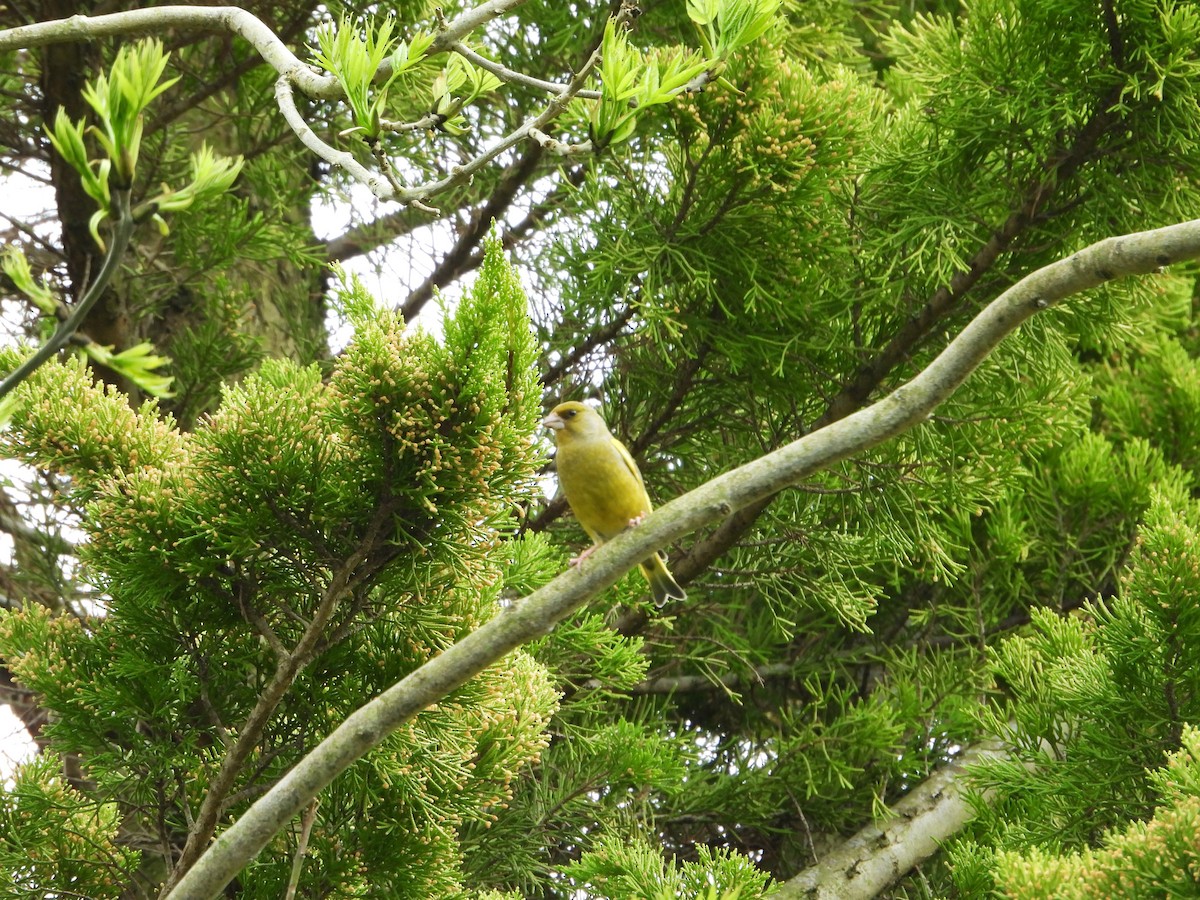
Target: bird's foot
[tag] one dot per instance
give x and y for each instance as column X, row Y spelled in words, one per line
column 636, row 520
column 576, row 561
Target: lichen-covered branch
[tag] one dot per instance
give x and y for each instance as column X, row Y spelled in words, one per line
column 880, row 854
column 221, row 19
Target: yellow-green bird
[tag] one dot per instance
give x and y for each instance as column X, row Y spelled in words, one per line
column 604, row 487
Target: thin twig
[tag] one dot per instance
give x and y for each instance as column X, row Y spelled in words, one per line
column 306, row 824
column 509, row 75
column 122, row 230
column 554, row 108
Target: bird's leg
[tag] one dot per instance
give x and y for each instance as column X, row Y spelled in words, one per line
column 578, row 560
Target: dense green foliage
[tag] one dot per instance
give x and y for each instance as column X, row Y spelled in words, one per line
column 360, row 516
column 752, row 262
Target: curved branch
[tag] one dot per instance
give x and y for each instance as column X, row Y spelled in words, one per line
column 295, row 73
column 904, row 408
column 512, row 77
column 287, row 105
column 230, row 19
column 169, row 112
column 234, row 20
column 466, row 22
column 62, row 334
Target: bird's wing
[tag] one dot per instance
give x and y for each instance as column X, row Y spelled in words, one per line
column 629, row 463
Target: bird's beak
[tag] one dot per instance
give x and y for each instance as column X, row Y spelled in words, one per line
column 554, row 422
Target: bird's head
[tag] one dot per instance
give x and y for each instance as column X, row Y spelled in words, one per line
column 574, row 420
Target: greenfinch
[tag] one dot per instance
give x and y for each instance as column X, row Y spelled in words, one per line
column 603, row 486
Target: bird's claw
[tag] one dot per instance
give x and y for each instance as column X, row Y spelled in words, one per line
column 575, row 561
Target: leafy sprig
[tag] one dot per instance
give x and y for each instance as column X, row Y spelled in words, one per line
column 355, row 53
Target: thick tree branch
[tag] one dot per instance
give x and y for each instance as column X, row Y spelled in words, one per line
column 904, row 408
column 879, row 855
column 231, row 19
column 168, row 113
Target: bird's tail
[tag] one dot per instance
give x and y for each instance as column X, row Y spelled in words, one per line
column 663, row 586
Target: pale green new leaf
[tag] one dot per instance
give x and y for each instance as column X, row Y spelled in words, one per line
column 138, row 364
column 16, row 266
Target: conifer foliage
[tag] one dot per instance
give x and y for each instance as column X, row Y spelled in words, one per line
column 305, row 547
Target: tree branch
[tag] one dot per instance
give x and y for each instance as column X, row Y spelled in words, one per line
column 310, row 816
column 508, row 75
column 293, row 73
column 230, row 19
column 904, row 408
column 467, row 21
column 122, row 230
column 595, row 339
column 879, row 855
column 235, row 20
column 168, row 113
column 378, row 185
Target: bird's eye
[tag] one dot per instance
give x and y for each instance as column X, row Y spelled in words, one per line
column 571, row 413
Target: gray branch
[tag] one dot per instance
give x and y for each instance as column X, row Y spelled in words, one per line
column 508, row 75
column 296, row 74
column 221, row 19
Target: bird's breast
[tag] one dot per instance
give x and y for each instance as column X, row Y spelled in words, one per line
column 602, row 491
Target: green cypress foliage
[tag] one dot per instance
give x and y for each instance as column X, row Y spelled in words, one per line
column 1102, row 796
column 374, row 503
